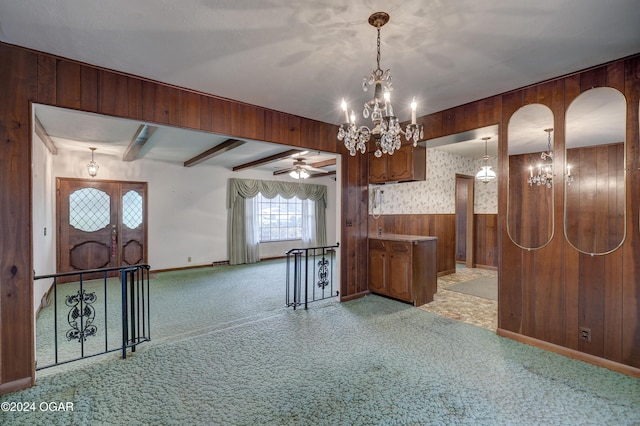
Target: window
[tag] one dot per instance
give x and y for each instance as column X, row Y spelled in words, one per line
column 280, row 219
column 89, row 209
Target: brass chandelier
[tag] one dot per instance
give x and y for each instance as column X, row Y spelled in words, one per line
column 386, row 129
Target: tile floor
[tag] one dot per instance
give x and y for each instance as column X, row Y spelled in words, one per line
column 462, row 307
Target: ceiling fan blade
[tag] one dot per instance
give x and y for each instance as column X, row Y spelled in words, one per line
column 283, row 171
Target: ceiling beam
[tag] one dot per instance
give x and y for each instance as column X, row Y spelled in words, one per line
column 46, row 139
column 325, row 163
column 266, row 160
column 142, row 135
column 225, row 146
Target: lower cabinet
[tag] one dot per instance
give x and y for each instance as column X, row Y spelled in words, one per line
column 404, row 269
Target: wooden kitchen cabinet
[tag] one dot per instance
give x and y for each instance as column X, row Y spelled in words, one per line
column 406, row 164
column 403, row 267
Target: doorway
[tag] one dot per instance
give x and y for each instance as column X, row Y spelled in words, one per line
column 464, row 220
column 100, row 224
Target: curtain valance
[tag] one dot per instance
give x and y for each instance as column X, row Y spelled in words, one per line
column 249, row 188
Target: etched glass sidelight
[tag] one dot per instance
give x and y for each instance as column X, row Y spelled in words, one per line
column 89, row 209
column 132, row 209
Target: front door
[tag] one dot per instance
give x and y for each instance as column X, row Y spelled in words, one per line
column 101, row 224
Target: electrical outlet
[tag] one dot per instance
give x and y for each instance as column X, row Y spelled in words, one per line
column 585, row 334
column 189, row 259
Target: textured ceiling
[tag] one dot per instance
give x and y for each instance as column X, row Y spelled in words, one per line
column 302, row 57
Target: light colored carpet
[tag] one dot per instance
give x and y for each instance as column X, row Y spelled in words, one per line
column 485, row 287
column 227, row 352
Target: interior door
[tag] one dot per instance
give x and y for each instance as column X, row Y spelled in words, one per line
column 464, row 220
column 101, row 224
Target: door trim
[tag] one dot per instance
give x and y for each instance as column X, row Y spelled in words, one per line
column 121, row 185
column 470, row 237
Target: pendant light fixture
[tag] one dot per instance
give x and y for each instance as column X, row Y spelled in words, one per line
column 92, row 167
column 386, row 129
column 485, row 174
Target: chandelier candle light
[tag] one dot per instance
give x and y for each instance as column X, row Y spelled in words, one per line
column 386, row 129
column 545, row 169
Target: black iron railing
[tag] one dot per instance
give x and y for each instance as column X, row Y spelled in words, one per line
column 310, row 275
column 93, row 316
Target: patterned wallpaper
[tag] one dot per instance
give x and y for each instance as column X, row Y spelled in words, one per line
column 436, row 195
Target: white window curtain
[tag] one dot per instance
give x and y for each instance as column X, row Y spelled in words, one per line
column 308, row 223
column 240, row 190
column 252, row 228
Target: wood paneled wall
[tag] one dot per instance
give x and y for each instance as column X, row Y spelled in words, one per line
column 27, row 76
column 550, row 293
column 486, row 241
column 530, row 208
column 595, row 199
column 443, row 226
column 546, row 295
column 18, row 85
column 353, row 245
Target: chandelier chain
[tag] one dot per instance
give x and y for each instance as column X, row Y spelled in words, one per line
column 378, row 56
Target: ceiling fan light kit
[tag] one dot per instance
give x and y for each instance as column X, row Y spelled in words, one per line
column 301, row 169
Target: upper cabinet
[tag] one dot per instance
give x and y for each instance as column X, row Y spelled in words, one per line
column 406, row 164
column 594, row 173
column 531, row 177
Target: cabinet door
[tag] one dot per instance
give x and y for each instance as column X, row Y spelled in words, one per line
column 399, row 278
column 377, row 169
column 377, row 271
column 400, row 164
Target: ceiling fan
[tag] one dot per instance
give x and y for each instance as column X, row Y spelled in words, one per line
column 300, row 169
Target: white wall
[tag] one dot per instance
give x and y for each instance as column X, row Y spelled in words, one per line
column 187, row 214
column 436, row 194
column 44, row 246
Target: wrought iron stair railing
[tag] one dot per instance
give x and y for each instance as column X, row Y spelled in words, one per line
column 310, row 275
column 97, row 314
